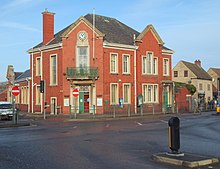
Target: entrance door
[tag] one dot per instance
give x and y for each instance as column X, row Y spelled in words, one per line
column 81, row 102
column 86, row 102
column 53, row 105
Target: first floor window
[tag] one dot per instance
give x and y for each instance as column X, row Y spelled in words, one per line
column 53, row 70
column 114, row 63
column 166, row 67
column 114, row 93
column 175, row 73
column 150, row 93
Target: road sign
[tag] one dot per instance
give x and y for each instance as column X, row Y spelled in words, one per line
column 15, row 91
column 75, row 92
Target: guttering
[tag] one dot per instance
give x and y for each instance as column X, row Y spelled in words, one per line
column 170, row 52
column 47, row 47
column 118, row 46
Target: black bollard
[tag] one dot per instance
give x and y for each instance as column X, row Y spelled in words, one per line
column 174, row 134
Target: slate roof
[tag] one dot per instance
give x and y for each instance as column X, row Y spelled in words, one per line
column 197, row 70
column 114, row 31
column 23, row 75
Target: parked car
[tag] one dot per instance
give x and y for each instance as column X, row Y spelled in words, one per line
column 6, row 110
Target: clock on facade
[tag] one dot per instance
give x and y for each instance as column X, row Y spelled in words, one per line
column 82, row 35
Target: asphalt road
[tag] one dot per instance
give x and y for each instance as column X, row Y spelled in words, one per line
column 117, row 144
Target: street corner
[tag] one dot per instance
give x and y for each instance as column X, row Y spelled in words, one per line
column 10, row 124
column 185, row 159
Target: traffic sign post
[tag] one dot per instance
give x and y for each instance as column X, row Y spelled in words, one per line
column 75, row 94
column 15, row 92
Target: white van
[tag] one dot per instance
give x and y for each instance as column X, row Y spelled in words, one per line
column 6, row 110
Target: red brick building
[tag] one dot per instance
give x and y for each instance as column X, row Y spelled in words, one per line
column 105, row 60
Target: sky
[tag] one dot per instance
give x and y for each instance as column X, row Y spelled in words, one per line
column 189, row 27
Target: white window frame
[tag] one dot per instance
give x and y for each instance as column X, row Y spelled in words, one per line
column 115, row 71
column 150, row 93
column 51, row 70
column 38, row 66
column 38, row 95
column 126, row 64
column 78, row 56
column 166, row 66
column 128, row 94
column 116, row 94
column 149, row 64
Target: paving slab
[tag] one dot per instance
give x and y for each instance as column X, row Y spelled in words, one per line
column 187, row 160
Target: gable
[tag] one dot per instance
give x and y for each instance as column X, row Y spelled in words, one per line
column 75, row 24
column 199, row 72
column 153, row 31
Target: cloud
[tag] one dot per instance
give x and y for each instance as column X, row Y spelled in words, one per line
column 14, row 5
column 16, row 25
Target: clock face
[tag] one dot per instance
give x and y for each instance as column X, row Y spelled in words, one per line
column 82, row 35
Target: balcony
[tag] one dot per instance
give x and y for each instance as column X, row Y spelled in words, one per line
column 81, row 73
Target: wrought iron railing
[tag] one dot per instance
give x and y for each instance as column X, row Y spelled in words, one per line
column 81, row 72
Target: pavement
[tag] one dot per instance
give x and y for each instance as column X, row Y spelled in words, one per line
column 187, row 160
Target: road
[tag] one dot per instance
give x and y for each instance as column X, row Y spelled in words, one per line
column 116, row 144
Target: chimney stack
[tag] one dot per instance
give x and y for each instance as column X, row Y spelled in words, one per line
column 198, row 62
column 48, row 26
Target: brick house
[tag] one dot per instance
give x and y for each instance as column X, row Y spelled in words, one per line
column 105, row 60
column 193, row 73
column 215, row 74
column 22, row 80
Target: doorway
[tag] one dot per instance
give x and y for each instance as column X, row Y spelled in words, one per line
column 53, row 105
column 84, row 102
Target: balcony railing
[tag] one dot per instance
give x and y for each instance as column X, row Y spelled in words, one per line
column 81, row 73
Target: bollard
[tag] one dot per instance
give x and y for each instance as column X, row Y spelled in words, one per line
column 174, row 134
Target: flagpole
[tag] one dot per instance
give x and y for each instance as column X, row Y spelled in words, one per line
column 93, row 34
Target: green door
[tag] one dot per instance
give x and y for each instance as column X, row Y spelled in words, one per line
column 165, row 100
column 81, row 102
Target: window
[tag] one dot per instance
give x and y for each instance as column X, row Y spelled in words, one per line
column 185, row 73
column 149, row 64
column 144, row 65
column 175, row 73
column 114, row 93
column 114, row 63
column 126, row 64
column 53, row 70
column 155, row 66
column 38, row 96
column 150, row 93
column 126, row 93
column 83, row 59
column 208, row 87
column 166, row 67
column 38, row 66
column 200, row 86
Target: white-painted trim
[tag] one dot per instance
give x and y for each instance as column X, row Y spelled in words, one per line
column 118, row 46
column 43, row 48
column 116, row 64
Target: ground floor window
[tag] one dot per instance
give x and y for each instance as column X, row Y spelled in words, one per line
column 127, row 93
column 114, row 93
column 150, row 93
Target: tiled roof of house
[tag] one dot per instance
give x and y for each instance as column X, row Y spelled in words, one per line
column 114, row 31
column 23, row 75
column 216, row 70
column 199, row 72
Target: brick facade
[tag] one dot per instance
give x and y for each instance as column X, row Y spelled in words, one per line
column 66, row 50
